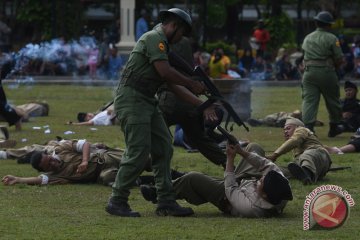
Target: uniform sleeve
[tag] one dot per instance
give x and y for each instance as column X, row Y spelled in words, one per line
column 295, row 141
column 80, row 144
column 155, row 47
column 49, row 179
column 336, row 49
column 236, row 196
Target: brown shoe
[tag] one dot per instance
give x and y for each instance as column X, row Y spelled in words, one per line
column 7, row 143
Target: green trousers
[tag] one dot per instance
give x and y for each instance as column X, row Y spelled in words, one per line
column 319, row 81
column 145, row 134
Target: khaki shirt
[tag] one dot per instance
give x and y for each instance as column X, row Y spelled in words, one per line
column 302, row 139
column 68, row 153
column 321, row 45
column 244, row 199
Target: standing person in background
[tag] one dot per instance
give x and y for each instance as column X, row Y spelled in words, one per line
column 114, row 63
column 141, row 24
column 322, row 57
column 6, row 110
column 262, row 37
column 141, row 120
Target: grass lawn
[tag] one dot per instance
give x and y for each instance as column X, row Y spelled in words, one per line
column 77, row 211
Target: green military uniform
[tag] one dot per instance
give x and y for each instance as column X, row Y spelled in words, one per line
column 141, row 120
column 321, row 51
column 177, row 111
column 308, row 152
column 237, row 194
column 101, row 160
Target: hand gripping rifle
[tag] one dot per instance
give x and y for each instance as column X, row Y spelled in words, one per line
column 214, row 94
column 231, row 139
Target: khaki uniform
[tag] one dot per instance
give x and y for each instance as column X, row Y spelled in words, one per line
column 15, row 153
column 30, row 110
column 308, row 152
column 141, row 120
column 102, row 167
column 100, row 160
column 321, row 51
column 237, row 194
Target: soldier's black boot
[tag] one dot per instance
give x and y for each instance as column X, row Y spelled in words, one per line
column 149, row 193
column 172, row 208
column 335, row 129
column 300, row 173
column 120, row 208
column 310, row 126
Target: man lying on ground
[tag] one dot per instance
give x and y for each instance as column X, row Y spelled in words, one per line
column 311, row 159
column 255, row 188
column 70, row 161
column 351, row 147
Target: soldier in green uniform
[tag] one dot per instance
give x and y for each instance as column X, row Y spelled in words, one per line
column 322, row 57
column 311, row 159
column 140, row 119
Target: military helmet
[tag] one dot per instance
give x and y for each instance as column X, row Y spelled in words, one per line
column 179, row 13
column 324, row 17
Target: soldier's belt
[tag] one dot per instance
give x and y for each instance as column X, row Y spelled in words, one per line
column 319, row 63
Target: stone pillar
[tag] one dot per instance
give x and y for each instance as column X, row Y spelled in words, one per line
column 127, row 25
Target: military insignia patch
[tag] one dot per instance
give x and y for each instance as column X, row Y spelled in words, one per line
column 337, row 43
column 161, row 46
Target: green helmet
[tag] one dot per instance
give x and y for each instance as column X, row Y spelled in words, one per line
column 163, row 15
column 324, row 17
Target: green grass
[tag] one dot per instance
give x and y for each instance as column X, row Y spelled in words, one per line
column 77, row 211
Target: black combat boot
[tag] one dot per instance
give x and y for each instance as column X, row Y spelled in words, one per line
column 310, row 126
column 120, row 208
column 300, row 173
column 172, row 208
column 335, row 129
column 149, row 193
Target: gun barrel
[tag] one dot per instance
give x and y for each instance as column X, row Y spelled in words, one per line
column 229, row 137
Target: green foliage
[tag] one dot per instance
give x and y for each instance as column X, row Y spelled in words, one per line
column 37, row 13
column 216, row 14
column 40, row 14
column 228, row 48
column 77, row 211
column 281, row 30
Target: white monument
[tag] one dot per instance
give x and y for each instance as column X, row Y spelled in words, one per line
column 127, row 26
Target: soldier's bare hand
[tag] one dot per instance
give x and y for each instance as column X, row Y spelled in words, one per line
column 9, row 180
column 82, row 167
column 210, row 114
column 197, row 87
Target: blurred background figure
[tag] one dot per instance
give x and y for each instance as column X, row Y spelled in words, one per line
column 142, row 24
column 262, row 37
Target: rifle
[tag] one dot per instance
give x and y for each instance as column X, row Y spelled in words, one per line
column 333, row 169
column 214, row 94
column 231, row 139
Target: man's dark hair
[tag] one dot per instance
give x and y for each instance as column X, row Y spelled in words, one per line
column 81, row 116
column 35, row 160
